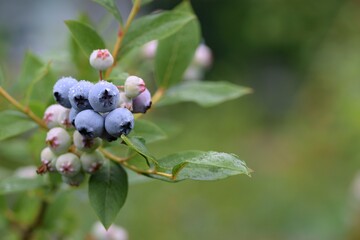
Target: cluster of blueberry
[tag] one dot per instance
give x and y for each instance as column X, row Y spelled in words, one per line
column 97, row 111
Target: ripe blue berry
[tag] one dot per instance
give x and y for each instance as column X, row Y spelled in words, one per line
column 78, row 95
column 142, row 102
column 58, row 140
column 119, row 121
column 134, row 86
column 61, row 90
column 72, row 115
column 74, row 180
column 89, row 123
column 104, row 96
column 91, row 162
column 68, row 164
column 85, row 144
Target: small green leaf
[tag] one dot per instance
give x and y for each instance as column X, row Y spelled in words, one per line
column 199, row 165
column 16, row 184
column 107, row 192
column 85, row 36
column 206, row 94
column 138, row 146
column 175, row 53
column 111, row 7
column 13, row 123
column 154, row 27
column 148, row 131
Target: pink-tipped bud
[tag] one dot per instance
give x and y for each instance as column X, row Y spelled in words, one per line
column 58, row 140
column 101, row 59
column 134, row 86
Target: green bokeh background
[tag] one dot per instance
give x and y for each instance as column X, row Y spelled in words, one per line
column 299, row 131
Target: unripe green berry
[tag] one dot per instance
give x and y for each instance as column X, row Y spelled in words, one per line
column 74, row 180
column 68, row 164
column 86, row 144
column 134, row 86
column 91, row 162
column 48, row 158
column 58, row 140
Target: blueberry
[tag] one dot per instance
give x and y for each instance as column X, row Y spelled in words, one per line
column 119, row 121
column 74, row 180
column 104, row 96
column 68, row 164
column 142, row 102
column 85, row 144
column 51, row 115
column 61, row 90
column 101, row 59
column 134, row 86
column 91, row 162
column 58, row 140
column 72, row 115
column 78, row 95
column 89, row 123
column 48, row 158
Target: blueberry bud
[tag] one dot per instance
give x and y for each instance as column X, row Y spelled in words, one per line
column 61, row 90
column 89, row 123
column 142, row 102
column 101, row 59
column 74, row 180
column 78, row 95
column 58, row 140
column 134, row 86
column 119, row 121
column 48, row 158
column 85, row 144
column 91, row 162
column 68, row 164
column 104, row 96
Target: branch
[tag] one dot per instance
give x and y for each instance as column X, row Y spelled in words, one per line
column 23, row 109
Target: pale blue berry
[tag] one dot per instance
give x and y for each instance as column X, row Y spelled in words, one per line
column 119, row 121
column 142, row 102
column 78, row 95
column 104, row 96
column 72, row 115
column 89, row 123
column 61, row 90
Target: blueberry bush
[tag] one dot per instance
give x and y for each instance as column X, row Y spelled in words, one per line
column 95, row 129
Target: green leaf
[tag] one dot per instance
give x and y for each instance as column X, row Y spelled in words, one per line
column 206, row 94
column 199, row 165
column 13, row 123
column 175, row 53
column 111, row 7
column 148, row 131
column 107, row 192
column 154, row 27
column 85, row 36
column 2, row 77
column 16, row 184
column 33, row 70
column 138, row 146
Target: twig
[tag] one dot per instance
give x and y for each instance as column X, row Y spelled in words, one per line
column 23, row 109
column 121, row 34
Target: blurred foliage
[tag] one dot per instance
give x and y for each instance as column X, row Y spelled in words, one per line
column 299, row 131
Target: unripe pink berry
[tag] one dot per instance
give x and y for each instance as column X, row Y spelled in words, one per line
column 68, row 164
column 48, row 158
column 149, row 49
column 85, row 144
column 124, row 101
column 134, row 86
column 91, row 162
column 51, row 115
column 58, row 140
column 74, row 181
column 101, row 59
column 203, row 56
